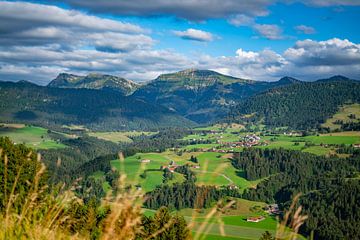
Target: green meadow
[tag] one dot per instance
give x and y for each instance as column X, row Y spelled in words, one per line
column 343, row 115
column 118, row 137
column 34, row 137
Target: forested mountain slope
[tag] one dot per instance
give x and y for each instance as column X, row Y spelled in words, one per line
column 95, row 109
column 302, row 105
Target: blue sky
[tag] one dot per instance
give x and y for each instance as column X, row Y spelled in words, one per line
column 257, row 39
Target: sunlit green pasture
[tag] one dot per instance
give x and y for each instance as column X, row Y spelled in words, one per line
column 118, row 136
column 34, row 137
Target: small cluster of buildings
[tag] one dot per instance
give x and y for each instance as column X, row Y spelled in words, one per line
column 272, row 209
column 292, row 134
column 171, row 167
column 217, row 150
column 249, row 141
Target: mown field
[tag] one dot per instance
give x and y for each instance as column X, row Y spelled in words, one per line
column 343, row 115
column 118, row 137
column 34, row 137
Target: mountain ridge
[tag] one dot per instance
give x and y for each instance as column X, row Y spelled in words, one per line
column 94, row 81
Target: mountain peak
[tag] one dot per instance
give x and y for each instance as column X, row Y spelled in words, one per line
column 334, row 78
column 193, row 78
column 338, row 77
column 288, row 79
column 189, row 70
column 94, row 81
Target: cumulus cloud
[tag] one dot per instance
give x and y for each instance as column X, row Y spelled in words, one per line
column 307, row 60
column 18, row 16
column 326, row 3
column 305, row 29
column 195, row 10
column 241, row 20
column 195, row 35
column 269, row 31
column 27, row 24
column 333, row 52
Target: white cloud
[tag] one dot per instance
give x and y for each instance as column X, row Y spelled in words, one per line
column 194, row 34
column 305, row 29
column 269, row 31
column 23, row 15
column 195, row 10
column 29, row 24
column 333, row 52
column 326, row 3
column 241, row 20
column 307, row 60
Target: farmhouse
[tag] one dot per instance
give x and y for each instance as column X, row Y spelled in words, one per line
column 272, row 209
column 232, row 186
column 171, row 167
column 255, row 219
column 145, row 160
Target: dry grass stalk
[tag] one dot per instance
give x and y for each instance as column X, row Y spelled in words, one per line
column 292, row 219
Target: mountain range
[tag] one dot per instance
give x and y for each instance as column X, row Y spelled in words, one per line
column 184, row 98
column 95, row 109
column 202, row 95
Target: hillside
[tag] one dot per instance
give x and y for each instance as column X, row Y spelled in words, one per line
column 302, row 106
column 196, row 79
column 95, row 109
column 94, row 81
column 202, row 95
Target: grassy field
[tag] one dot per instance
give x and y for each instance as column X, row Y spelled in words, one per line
column 35, row 137
column 117, row 137
column 133, row 167
column 232, row 222
column 343, row 115
column 215, row 169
